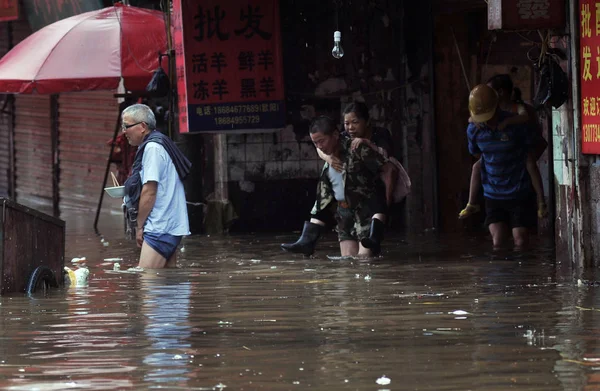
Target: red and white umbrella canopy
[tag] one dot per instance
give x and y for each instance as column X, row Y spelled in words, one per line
column 90, row 51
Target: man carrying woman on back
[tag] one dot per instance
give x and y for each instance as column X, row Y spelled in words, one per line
column 365, row 220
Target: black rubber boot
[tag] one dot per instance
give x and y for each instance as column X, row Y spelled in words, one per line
column 373, row 242
column 307, row 242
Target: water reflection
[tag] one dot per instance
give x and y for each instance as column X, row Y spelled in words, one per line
column 166, row 309
column 438, row 314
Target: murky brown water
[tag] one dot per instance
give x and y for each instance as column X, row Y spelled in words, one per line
column 431, row 315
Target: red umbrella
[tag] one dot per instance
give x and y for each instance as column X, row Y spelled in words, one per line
column 90, row 51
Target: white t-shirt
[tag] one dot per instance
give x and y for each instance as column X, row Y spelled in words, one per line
column 169, row 214
column 337, row 183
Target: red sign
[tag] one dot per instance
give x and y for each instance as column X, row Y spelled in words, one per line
column 180, row 66
column 589, row 50
column 229, row 65
column 9, row 10
column 526, row 14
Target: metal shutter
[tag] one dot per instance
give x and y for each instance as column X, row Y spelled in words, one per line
column 86, row 122
column 33, row 149
column 5, row 123
column 32, row 140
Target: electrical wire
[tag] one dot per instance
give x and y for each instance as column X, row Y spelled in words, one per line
column 462, row 65
column 487, row 57
column 544, row 47
column 337, row 14
column 527, row 39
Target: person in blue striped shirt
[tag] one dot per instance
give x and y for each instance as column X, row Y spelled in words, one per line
column 509, row 99
column 504, row 154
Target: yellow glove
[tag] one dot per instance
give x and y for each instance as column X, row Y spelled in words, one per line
column 468, row 211
column 70, row 278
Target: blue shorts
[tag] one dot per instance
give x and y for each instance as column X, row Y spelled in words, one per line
column 164, row 244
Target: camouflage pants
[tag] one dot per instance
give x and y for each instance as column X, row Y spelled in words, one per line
column 353, row 224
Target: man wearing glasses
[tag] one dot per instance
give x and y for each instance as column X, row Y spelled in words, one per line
column 154, row 194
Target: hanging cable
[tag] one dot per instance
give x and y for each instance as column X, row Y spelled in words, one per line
column 337, row 15
column 462, row 65
column 487, row 57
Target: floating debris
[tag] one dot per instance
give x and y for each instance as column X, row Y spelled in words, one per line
column 131, row 270
column 383, row 381
column 117, row 266
column 177, row 357
column 442, row 331
column 112, row 259
column 418, row 295
column 78, row 259
column 586, row 309
column 458, row 312
column 78, row 277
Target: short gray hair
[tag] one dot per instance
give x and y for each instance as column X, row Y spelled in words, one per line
column 140, row 113
column 322, row 124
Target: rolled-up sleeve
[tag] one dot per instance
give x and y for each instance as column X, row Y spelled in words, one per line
column 471, row 133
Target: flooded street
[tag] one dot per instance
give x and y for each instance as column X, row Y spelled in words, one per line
column 239, row 314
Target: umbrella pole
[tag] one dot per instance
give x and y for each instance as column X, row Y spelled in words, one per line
column 108, row 162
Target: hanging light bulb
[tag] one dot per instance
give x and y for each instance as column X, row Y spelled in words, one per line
column 337, row 50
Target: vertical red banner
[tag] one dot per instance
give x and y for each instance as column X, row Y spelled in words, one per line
column 177, row 21
column 589, row 70
column 230, row 66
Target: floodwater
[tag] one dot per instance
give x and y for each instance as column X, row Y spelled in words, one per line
column 239, row 314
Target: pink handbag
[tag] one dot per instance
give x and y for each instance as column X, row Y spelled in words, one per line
column 403, row 184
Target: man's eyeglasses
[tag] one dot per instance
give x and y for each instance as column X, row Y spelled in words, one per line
column 125, row 127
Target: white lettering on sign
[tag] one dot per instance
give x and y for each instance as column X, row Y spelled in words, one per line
column 533, row 9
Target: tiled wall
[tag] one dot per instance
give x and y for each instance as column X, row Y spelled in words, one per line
column 271, row 156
